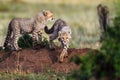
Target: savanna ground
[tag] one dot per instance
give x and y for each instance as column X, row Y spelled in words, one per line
column 81, row 15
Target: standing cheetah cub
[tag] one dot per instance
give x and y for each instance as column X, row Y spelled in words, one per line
column 33, row 25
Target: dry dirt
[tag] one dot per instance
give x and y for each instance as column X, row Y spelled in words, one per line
column 29, row 60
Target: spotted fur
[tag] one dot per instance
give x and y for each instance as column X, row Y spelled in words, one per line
column 62, row 31
column 32, row 26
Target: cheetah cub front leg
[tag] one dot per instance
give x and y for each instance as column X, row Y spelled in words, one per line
column 34, row 37
column 63, row 54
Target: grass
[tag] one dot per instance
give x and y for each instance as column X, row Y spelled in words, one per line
column 84, row 26
column 81, row 15
column 49, row 75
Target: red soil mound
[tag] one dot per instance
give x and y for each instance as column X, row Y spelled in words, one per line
column 29, row 60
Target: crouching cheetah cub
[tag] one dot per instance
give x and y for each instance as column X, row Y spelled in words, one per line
column 62, row 31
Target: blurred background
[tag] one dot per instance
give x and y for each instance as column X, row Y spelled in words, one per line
column 81, row 16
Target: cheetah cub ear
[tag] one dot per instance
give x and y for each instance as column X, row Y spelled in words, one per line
column 59, row 33
column 45, row 13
